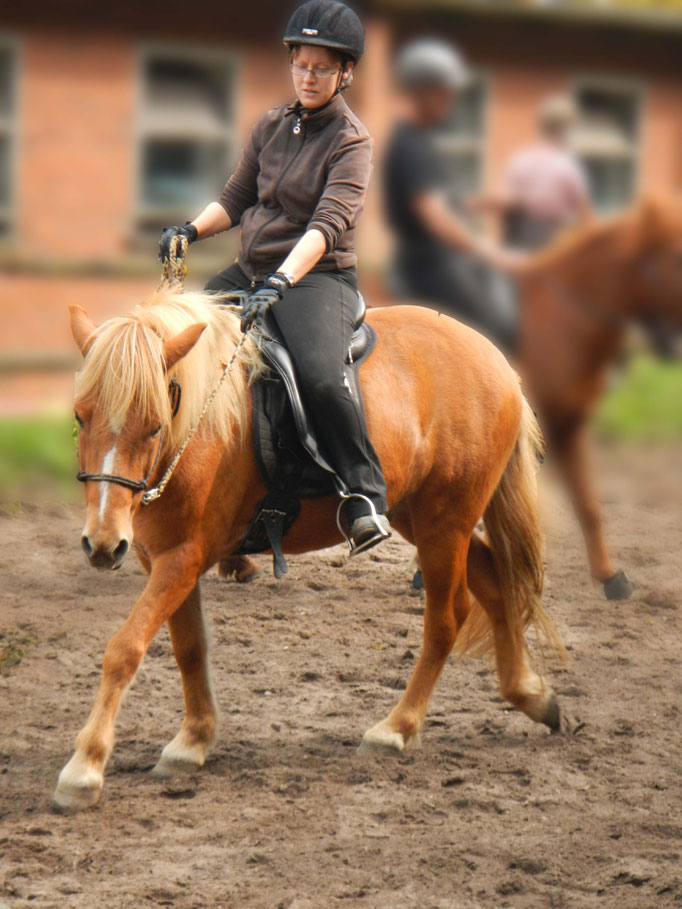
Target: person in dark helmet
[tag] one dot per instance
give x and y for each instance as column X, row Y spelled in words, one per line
column 297, row 194
column 438, row 258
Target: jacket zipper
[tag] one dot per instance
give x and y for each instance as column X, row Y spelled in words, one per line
column 297, row 129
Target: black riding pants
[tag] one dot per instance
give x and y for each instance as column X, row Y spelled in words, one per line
column 316, row 321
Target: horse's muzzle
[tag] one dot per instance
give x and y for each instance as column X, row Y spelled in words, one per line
column 104, row 558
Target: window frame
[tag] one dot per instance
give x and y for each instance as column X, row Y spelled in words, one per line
column 480, row 146
column 194, row 53
column 626, row 85
column 10, row 127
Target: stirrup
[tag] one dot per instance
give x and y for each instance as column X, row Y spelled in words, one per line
column 381, row 534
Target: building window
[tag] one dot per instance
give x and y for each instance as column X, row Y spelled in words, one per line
column 186, row 132
column 462, row 142
column 607, row 140
column 8, row 129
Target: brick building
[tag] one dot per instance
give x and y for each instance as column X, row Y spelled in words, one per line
column 116, row 121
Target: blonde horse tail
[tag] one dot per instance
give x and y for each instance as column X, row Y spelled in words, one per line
column 513, row 535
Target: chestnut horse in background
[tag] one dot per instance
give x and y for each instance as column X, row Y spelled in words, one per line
column 456, row 440
column 577, row 300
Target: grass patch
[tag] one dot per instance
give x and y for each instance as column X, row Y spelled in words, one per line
column 646, row 404
column 38, row 459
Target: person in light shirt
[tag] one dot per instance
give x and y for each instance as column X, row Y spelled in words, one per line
column 545, row 187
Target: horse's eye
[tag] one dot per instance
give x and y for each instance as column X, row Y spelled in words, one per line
column 79, row 421
column 156, row 432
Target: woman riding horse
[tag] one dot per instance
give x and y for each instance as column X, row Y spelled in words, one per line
column 297, row 194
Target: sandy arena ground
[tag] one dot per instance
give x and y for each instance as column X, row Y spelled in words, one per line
column 493, row 811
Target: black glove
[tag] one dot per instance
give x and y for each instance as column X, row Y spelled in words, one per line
column 187, row 230
column 261, row 300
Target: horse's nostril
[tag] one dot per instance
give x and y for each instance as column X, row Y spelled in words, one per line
column 120, row 550
column 86, row 544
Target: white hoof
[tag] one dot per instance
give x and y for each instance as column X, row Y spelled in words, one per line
column 79, row 785
column 382, row 738
column 179, row 757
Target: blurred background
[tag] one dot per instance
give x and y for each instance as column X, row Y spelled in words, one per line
column 118, row 119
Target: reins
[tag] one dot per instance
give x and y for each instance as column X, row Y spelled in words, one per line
column 154, row 493
column 173, row 277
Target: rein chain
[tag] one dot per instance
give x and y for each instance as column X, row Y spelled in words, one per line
column 174, row 271
column 154, row 493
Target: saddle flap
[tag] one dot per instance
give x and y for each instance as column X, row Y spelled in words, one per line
column 279, row 359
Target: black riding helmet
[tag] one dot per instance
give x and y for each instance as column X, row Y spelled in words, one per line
column 327, row 23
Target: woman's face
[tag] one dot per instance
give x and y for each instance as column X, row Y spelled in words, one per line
column 317, row 74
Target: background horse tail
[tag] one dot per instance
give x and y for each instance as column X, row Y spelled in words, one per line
column 513, row 536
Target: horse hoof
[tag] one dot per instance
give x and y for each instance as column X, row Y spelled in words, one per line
column 78, row 787
column 179, row 757
column 552, row 715
column 242, row 568
column 618, row 587
column 382, row 738
column 167, row 767
column 418, row 580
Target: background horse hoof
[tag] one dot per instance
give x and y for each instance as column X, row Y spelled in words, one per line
column 418, row 580
column 243, row 568
column 552, row 714
column 618, row 587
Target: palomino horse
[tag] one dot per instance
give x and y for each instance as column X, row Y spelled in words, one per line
column 578, row 299
column 456, row 441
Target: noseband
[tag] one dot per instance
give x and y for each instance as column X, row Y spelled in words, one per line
column 175, row 392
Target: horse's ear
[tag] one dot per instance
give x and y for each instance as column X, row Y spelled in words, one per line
column 176, row 348
column 82, row 328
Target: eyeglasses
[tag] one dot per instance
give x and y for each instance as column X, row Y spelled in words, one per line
column 318, row 72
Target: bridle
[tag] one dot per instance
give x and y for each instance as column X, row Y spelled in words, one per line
column 175, row 392
column 174, row 271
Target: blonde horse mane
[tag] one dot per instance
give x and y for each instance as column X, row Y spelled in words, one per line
column 123, row 368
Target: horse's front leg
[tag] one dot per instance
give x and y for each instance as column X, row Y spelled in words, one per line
column 173, row 577
column 189, row 636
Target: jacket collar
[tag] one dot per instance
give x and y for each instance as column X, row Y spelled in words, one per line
column 320, row 116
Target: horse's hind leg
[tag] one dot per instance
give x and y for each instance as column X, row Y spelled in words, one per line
column 519, row 684
column 443, row 561
column 189, row 636
column 243, row 568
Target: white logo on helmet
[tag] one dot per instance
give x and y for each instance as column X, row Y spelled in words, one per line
column 309, row 31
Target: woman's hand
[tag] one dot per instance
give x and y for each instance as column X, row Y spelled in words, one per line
column 263, row 299
column 188, row 231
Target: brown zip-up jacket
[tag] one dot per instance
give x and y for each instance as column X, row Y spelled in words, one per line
column 300, row 169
